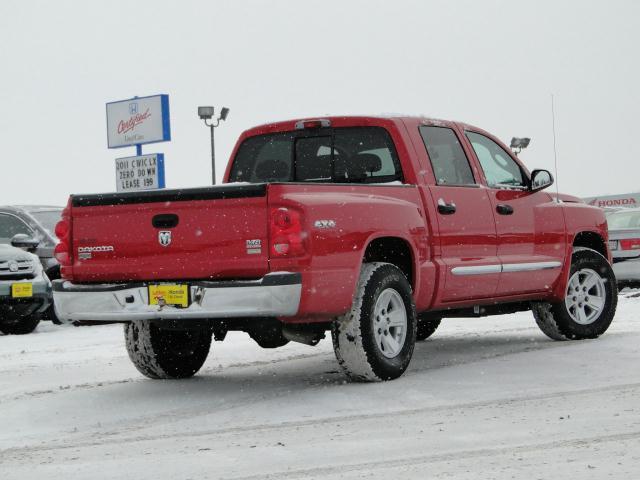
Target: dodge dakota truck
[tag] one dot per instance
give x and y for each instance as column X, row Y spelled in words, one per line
column 371, row 228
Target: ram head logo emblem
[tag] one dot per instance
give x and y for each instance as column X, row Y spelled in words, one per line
column 164, row 238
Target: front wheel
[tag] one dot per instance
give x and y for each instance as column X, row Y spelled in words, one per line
column 375, row 340
column 166, row 353
column 590, row 300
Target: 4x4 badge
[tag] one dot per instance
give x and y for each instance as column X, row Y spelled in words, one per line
column 164, row 237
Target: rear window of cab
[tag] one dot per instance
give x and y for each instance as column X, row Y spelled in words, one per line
column 339, row 155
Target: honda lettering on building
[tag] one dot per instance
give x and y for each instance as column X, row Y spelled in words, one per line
column 629, row 200
column 622, row 202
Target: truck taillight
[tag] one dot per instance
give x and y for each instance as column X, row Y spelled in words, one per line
column 286, row 234
column 63, row 251
column 630, row 244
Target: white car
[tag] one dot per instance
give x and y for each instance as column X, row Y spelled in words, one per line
column 624, row 243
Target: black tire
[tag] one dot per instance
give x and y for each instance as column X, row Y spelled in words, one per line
column 50, row 314
column 555, row 320
column 163, row 353
column 427, row 325
column 20, row 326
column 353, row 335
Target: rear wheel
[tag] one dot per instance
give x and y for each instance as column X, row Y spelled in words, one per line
column 375, row 339
column 164, row 353
column 590, row 300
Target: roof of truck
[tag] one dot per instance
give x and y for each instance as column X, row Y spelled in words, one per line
column 352, row 120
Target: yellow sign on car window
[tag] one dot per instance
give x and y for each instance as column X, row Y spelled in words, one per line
column 22, row 290
column 169, row 295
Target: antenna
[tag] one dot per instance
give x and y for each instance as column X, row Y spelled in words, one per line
column 555, row 152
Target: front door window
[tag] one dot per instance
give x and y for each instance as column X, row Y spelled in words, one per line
column 499, row 168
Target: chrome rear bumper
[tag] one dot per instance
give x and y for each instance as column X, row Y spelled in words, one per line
column 275, row 295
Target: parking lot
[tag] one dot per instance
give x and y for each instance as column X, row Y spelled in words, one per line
column 483, row 398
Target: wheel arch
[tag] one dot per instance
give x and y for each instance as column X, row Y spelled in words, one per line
column 395, row 250
column 583, row 240
column 591, row 240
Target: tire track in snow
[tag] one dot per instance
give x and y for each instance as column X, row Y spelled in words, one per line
column 311, row 381
column 279, row 390
column 401, row 462
column 106, row 383
column 112, row 438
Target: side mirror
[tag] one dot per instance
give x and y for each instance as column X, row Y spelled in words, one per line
column 540, row 179
column 24, row 241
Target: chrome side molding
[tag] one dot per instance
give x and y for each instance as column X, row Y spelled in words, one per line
column 529, row 267
column 506, row 267
column 477, row 270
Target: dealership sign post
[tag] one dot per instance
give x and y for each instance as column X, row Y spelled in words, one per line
column 135, row 122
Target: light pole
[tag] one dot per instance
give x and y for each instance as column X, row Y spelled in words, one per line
column 207, row 114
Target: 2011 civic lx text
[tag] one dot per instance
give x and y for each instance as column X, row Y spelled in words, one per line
column 371, row 228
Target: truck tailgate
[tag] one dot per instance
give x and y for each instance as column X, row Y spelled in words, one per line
column 205, row 233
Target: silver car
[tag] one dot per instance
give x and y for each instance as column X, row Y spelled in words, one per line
column 25, row 290
column 624, row 243
column 37, row 222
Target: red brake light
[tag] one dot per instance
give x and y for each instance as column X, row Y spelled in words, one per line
column 62, row 251
column 282, row 218
column 62, row 229
column 630, row 244
column 322, row 122
column 287, row 236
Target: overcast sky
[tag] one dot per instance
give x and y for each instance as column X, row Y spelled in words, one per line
column 490, row 63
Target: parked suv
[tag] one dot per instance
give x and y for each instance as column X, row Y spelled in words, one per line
column 36, row 222
column 25, row 290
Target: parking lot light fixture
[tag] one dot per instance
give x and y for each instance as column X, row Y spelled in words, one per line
column 517, row 144
column 205, row 113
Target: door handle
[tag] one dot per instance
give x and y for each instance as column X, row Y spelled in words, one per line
column 446, row 208
column 504, row 209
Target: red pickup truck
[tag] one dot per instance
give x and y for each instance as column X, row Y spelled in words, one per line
column 371, row 228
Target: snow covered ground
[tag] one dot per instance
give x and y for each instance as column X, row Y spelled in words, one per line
column 484, row 398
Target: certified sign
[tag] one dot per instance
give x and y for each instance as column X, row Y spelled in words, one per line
column 138, row 121
column 145, row 172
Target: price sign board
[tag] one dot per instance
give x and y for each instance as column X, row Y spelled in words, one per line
column 144, row 172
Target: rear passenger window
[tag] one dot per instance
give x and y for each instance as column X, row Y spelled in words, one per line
column 365, row 155
column 448, row 160
column 340, row 155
